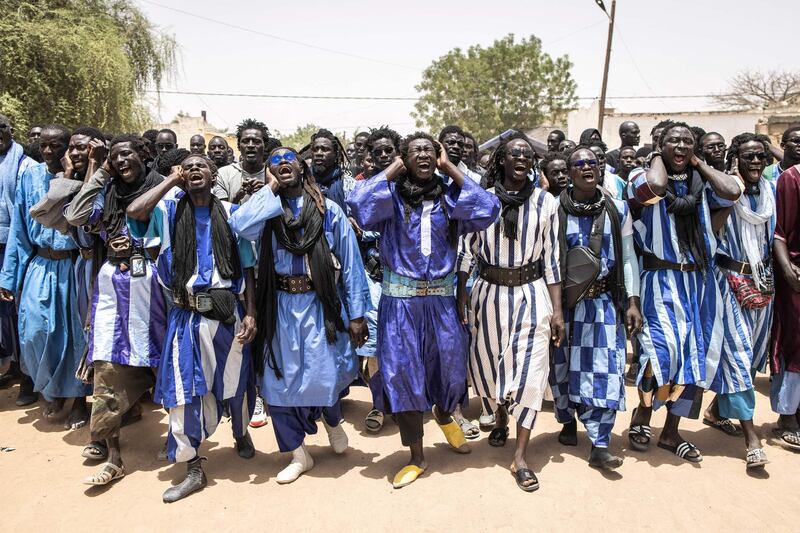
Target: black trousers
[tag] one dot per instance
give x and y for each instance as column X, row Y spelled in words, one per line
column 410, row 423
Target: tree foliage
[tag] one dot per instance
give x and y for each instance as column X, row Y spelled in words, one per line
column 751, row 89
column 302, row 136
column 486, row 90
column 80, row 62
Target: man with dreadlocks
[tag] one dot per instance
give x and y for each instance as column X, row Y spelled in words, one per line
column 587, row 377
column 744, row 276
column 38, row 272
column 422, row 345
column 329, row 166
column 682, row 335
column 313, row 294
column 516, row 299
column 205, row 367
column 239, row 180
column 128, row 314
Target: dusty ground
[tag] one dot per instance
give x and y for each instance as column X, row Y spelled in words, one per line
column 41, row 487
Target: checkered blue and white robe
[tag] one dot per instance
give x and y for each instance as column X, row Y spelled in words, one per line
column 589, row 367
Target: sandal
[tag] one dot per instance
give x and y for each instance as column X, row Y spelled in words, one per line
column 486, row 422
column 108, row 473
column 756, row 458
column 789, row 438
column 685, row 450
column 498, row 437
column 524, row 475
column 374, row 421
column 470, row 430
column 725, row 425
column 96, row 451
column 639, row 435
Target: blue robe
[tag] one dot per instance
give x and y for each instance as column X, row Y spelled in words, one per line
column 314, row 372
column 50, row 329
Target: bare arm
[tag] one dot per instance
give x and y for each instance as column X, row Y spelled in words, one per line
column 726, row 186
column 719, row 217
column 557, row 331
column 247, row 332
column 657, row 176
column 142, row 207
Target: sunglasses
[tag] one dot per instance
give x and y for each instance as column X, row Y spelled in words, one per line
column 521, row 152
column 382, row 150
column 753, row 155
column 580, row 163
column 277, row 158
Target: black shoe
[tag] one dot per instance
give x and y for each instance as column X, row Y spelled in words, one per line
column 244, row 447
column 26, row 395
column 195, row 480
column 569, row 434
column 602, row 459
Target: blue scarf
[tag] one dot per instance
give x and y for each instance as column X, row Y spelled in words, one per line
column 332, row 186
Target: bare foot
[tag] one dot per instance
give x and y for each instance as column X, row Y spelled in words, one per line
column 52, row 410
column 78, row 416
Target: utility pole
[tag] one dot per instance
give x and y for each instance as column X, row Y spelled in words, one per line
column 608, row 60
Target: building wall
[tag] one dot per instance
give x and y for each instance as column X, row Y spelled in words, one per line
column 185, row 127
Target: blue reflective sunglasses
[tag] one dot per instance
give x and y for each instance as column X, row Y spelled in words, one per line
column 581, row 162
column 277, row 158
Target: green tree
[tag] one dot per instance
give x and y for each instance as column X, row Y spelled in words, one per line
column 302, row 136
column 487, row 90
column 80, row 62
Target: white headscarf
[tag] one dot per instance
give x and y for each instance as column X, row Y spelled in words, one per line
column 753, row 227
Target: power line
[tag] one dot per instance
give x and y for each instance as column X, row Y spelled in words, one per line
column 410, row 98
column 279, row 38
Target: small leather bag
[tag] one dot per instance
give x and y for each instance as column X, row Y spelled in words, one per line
column 583, row 264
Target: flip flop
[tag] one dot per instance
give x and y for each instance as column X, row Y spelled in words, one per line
column 469, row 429
column 725, row 425
column 789, row 438
column 526, row 474
column 683, row 450
column 96, row 451
column 642, row 431
column 498, row 437
column 374, row 421
column 406, row 476
column 104, row 476
column 756, row 458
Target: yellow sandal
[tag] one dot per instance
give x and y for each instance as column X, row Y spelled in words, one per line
column 406, row 476
column 455, row 437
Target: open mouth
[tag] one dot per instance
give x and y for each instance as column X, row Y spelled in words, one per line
column 519, row 167
column 679, row 159
column 587, row 175
column 285, row 170
column 424, row 165
column 195, row 177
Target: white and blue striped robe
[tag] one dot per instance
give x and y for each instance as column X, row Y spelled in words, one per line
column 510, row 326
column 747, row 331
column 682, row 333
column 201, row 355
column 589, row 366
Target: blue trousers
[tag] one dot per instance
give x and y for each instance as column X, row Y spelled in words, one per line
column 292, row 424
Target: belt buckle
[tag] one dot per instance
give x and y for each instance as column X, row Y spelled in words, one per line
column 422, row 288
column 203, row 303
column 685, row 267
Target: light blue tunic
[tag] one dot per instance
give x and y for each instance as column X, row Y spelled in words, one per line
column 50, row 329
column 314, row 372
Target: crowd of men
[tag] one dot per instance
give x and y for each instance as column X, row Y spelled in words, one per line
column 268, row 284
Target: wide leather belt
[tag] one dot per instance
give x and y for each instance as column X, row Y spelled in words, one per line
column 651, row 262
column 598, row 287
column 49, row 253
column 510, row 277
column 200, row 302
column 399, row 286
column 739, row 267
column 295, row 284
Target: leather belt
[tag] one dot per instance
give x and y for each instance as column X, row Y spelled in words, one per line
column 598, row 287
column 723, row 261
column 49, row 253
column 86, row 253
column 398, row 286
column 510, row 277
column 200, row 302
column 295, row 284
column 651, row 262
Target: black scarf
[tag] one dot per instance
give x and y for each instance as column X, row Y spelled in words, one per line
column 601, row 205
column 184, row 245
column 687, row 218
column 511, row 204
column 120, row 195
column 413, row 192
column 311, row 244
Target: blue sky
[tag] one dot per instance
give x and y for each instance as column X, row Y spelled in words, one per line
column 671, row 47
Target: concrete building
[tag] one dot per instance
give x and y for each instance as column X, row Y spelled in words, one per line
column 727, row 123
column 185, row 126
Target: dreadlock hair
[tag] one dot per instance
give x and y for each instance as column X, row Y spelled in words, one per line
column 150, row 135
column 698, row 133
column 383, row 132
column 252, row 124
column 447, row 130
column 92, row 133
column 137, row 143
column 271, row 145
column 660, row 125
column 548, row 158
column 338, row 148
column 736, row 143
column 789, row 131
column 64, row 133
column 167, row 130
column 172, row 157
column 671, row 126
column 495, row 168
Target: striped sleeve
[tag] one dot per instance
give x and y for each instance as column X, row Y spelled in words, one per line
column 639, row 189
column 550, row 252
column 465, row 259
